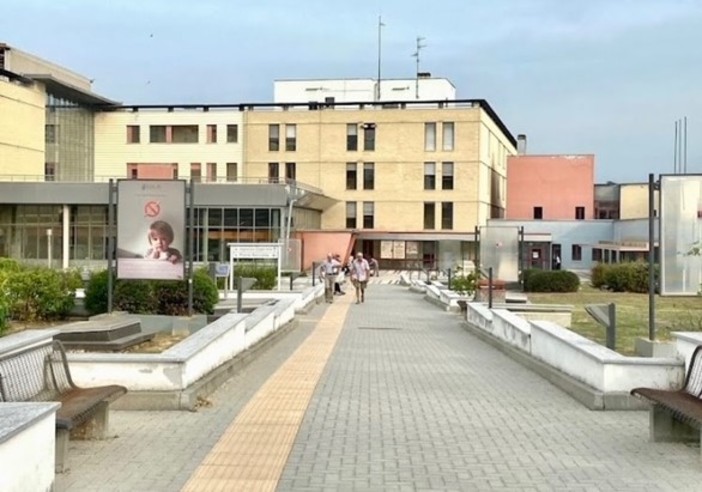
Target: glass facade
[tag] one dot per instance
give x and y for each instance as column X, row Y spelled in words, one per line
column 70, row 140
column 23, row 232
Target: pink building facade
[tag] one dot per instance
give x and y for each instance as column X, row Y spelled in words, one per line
column 550, row 187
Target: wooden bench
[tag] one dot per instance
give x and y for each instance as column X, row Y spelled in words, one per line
column 41, row 373
column 676, row 415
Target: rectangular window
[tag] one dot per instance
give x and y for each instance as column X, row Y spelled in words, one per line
column 429, row 215
column 369, row 136
column 174, row 169
column 133, row 136
column 290, row 172
column 447, row 175
column 157, row 134
column 538, row 212
column 351, row 215
column 49, row 171
column 195, row 172
column 291, row 137
column 430, row 137
column 211, row 133
column 368, row 175
column 232, row 133
column 232, row 171
column 576, row 252
column 51, row 133
column 273, row 172
column 596, row 254
column 212, row 172
column 351, row 178
column 132, row 171
column 430, row 175
column 368, row 213
column 580, row 213
column 351, row 136
column 447, row 141
column 184, row 134
column 273, row 137
column 447, row 215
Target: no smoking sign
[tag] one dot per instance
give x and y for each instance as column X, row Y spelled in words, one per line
column 152, row 209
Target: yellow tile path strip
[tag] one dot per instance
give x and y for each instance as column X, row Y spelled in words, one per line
column 253, row 450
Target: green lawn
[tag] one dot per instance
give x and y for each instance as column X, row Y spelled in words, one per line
column 672, row 314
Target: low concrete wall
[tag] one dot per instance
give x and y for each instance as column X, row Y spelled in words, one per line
column 595, row 375
column 177, row 377
column 27, row 446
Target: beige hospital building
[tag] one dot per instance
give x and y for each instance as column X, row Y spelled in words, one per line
column 401, row 170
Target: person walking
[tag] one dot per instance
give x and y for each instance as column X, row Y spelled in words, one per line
column 360, row 270
column 328, row 271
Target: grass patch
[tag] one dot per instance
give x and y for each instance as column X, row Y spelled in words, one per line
column 672, row 314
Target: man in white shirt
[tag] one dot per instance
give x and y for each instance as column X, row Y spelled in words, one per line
column 328, row 271
column 360, row 271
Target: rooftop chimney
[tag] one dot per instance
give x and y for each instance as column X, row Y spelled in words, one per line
column 521, row 144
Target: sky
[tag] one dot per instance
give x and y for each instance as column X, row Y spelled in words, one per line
column 603, row 77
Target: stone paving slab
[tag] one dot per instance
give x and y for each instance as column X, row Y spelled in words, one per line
column 408, row 401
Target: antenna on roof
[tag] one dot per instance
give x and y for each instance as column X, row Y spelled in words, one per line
column 380, row 30
column 420, row 45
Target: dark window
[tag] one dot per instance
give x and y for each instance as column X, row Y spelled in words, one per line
column 596, row 254
column 350, row 215
column 174, row 168
column 368, row 175
column 580, row 213
column 368, row 215
column 273, row 137
column 351, row 177
column 273, row 172
column 133, row 136
column 290, row 137
column 195, row 172
column 429, row 175
column 351, row 136
column 576, row 252
column 290, row 171
column 184, row 134
column 538, row 212
column 157, row 134
column 447, row 176
column 50, row 171
column 429, row 215
column 447, row 215
column 369, row 136
column 232, row 171
column 232, row 133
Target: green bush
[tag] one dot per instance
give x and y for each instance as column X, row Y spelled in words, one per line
column 526, row 274
column 96, row 293
column 9, row 265
column 266, row 276
column 152, row 296
column 40, row 293
column 621, row 277
column 552, row 281
column 465, row 284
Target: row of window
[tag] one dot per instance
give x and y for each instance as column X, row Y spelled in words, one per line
column 179, row 134
column 429, row 215
column 579, row 213
column 165, row 171
column 191, row 134
column 429, row 175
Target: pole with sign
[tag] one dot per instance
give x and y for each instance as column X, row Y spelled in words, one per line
column 254, row 251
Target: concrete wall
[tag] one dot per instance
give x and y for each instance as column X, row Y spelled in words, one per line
column 633, row 201
column 316, row 245
column 22, row 118
column 557, row 183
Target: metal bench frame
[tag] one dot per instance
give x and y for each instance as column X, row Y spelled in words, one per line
column 676, row 415
column 41, row 373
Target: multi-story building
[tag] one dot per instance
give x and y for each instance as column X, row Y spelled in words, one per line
column 406, row 181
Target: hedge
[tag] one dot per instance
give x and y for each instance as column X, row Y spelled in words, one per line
column 621, row 277
column 551, row 281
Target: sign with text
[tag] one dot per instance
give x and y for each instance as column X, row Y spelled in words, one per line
column 150, row 229
column 254, row 251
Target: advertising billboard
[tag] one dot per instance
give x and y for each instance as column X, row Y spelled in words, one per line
column 681, row 235
column 151, row 229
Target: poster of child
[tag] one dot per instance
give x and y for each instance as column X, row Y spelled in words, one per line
column 150, row 229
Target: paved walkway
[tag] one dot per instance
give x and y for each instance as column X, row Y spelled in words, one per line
column 397, row 396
